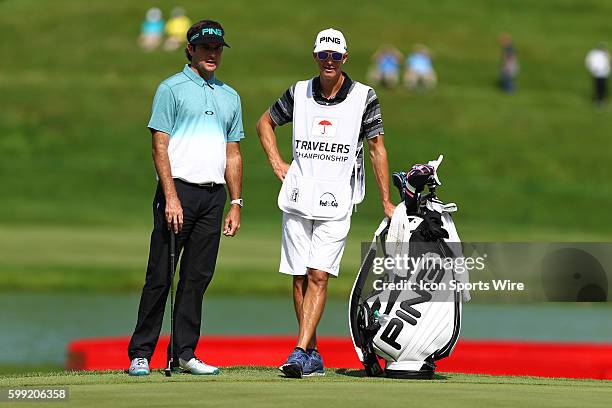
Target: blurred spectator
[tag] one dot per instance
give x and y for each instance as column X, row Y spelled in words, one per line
column 598, row 63
column 176, row 29
column 509, row 66
column 151, row 30
column 385, row 69
column 419, row 73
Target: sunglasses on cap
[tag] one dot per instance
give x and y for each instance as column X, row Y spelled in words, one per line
column 335, row 56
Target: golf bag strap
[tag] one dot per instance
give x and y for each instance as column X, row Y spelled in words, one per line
column 366, row 264
column 383, row 224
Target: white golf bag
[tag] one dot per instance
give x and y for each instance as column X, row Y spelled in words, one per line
column 409, row 312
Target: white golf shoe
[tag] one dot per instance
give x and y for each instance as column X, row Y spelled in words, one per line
column 197, row 367
column 139, row 366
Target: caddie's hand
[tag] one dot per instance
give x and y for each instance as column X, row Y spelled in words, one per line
column 280, row 169
column 389, row 208
column 174, row 214
column 232, row 221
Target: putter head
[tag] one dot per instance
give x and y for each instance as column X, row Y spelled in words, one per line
column 168, row 370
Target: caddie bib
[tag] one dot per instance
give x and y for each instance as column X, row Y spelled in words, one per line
column 326, row 147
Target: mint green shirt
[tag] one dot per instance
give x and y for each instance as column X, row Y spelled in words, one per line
column 200, row 117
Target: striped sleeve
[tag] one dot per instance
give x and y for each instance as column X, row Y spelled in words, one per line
column 282, row 110
column 371, row 122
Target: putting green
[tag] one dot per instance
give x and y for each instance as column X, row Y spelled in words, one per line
column 262, row 387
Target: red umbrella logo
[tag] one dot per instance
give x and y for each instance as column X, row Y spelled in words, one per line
column 325, row 123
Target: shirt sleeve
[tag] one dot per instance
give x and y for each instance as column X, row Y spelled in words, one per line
column 371, row 122
column 282, row 110
column 236, row 132
column 163, row 112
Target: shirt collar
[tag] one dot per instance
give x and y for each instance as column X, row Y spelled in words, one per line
column 340, row 95
column 198, row 79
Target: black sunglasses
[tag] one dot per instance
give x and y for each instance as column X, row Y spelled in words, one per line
column 335, row 56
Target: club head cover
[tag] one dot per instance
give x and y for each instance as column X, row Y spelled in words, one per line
column 400, row 182
column 419, row 176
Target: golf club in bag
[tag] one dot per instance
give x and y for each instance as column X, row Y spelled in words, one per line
column 172, row 263
column 404, row 313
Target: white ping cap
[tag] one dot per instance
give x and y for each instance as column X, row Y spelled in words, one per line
column 330, row 40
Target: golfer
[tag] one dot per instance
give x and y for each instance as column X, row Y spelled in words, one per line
column 332, row 116
column 196, row 124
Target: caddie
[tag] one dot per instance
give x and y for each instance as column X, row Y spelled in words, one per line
column 332, row 116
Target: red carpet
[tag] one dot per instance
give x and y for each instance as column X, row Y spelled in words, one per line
column 542, row 359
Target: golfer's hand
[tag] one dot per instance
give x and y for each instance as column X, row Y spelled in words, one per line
column 389, row 208
column 232, row 221
column 280, row 169
column 174, row 214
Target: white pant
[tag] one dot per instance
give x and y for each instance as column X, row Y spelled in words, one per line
column 312, row 244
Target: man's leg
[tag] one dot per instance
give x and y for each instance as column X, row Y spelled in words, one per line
column 297, row 234
column 197, row 268
column 157, row 282
column 312, row 307
column 410, row 79
column 309, row 290
column 300, row 285
column 326, row 249
column 430, row 79
column 600, row 89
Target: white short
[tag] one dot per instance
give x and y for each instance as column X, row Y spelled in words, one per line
column 312, row 244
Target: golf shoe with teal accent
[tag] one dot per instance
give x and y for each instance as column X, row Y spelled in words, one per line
column 197, row 367
column 139, row 366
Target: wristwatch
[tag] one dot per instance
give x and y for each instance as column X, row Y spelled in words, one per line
column 237, row 201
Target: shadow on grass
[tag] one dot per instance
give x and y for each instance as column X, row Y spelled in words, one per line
column 363, row 374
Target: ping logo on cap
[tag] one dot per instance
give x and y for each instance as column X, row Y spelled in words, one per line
column 330, row 40
column 212, row 31
column 335, row 40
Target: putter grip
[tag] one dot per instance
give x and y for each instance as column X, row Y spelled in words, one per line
column 172, row 244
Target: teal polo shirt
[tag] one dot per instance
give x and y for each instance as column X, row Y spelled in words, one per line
column 200, row 117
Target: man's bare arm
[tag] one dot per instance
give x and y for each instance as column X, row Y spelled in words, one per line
column 174, row 210
column 380, row 164
column 267, row 137
column 233, row 178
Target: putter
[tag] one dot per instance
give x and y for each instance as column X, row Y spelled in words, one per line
column 168, row 370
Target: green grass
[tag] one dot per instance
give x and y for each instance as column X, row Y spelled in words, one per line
column 78, row 180
column 262, row 387
column 14, row 370
column 113, row 259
